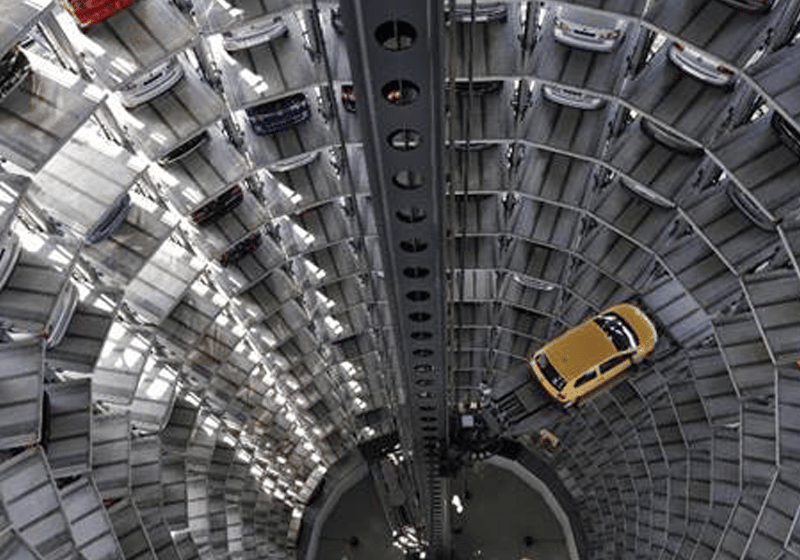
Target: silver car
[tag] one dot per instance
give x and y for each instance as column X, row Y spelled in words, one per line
column 584, row 29
column 10, row 249
column 110, row 221
column 572, row 98
column 665, row 136
column 292, row 163
column 700, row 65
column 647, row 193
column 61, row 315
column 256, row 32
column 151, row 84
column 760, row 6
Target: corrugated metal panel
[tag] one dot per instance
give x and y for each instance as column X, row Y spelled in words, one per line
column 173, row 483
column 160, row 538
column 80, row 348
column 21, row 378
column 89, row 521
column 120, row 365
column 154, row 396
column 111, row 451
column 29, row 296
column 14, row 547
column 131, row 532
column 68, row 427
column 29, row 493
column 146, row 486
column 180, row 425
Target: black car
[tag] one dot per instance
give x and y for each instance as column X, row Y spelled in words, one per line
column 788, row 134
column 279, row 115
column 241, row 249
column 14, row 68
column 223, row 204
column 185, row 149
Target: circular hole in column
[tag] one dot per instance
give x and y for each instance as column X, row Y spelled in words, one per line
column 425, row 395
column 422, row 352
column 429, row 428
column 419, row 316
column 424, row 382
column 419, row 295
column 416, row 272
column 400, row 92
column 423, row 368
column 396, row 35
column 429, row 418
column 405, row 139
column 426, row 408
column 413, row 245
column 411, row 215
column 407, row 179
column 421, row 335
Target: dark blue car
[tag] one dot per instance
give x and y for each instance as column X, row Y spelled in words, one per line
column 279, row 115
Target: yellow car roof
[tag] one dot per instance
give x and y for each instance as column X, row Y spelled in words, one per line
column 579, row 349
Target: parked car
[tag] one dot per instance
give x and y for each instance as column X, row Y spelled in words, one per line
column 110, row 221
column 14, row 68
column 647, row 193
column 584, row 29
column 256, row 32
column 758, row 6
column 279, row 115
column 744, row 202
column 484, row 13
column 10, row 249
column 60, row 317
column 240, row 249
column 584, row 359
column 572, row 98
column 666, row 137
column 90, row 12
column 185, row 148
column 478, row 87
column 219, row 206
column 151, row 84
column 349, row 98
column 788, row 134
column 700, row 65
column 292, row 163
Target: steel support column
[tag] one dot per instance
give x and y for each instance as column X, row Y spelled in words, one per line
column 396, row 52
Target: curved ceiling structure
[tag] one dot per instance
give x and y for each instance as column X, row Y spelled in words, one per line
column 238, row 333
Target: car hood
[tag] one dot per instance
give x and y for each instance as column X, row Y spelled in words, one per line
column 579, row 350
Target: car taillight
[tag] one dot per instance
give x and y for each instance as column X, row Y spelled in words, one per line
column 724, row 70
column 679, row 46
column 561, row 396
column 562, row 25
column 611, row 34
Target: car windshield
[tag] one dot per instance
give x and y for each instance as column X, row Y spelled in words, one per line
column 620, row 333
column 550, row 372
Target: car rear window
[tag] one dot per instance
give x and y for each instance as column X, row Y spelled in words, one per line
column 618, row 331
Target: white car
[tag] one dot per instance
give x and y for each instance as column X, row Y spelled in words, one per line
column 700, row 65
column 256, row 32
column 150, row 85
column 585, row 29
column 61, row 315
column 10, row 249
column 572, row 98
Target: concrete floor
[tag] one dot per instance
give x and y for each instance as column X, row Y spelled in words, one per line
column 499, row 514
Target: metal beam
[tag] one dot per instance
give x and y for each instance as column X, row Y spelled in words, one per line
column 396, row 52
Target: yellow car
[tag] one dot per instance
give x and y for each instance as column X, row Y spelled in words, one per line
column 587, row 357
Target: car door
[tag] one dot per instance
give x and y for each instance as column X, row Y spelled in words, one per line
column 613, row 366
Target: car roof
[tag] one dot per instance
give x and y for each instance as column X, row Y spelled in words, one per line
column 579, row 349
